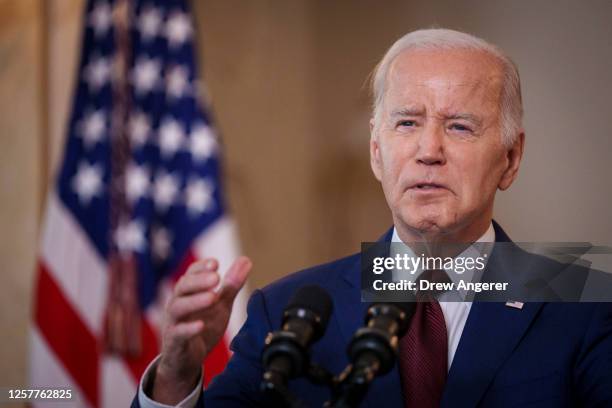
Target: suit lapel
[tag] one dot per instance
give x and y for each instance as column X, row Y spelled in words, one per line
column 348, row 308
column 491, row 333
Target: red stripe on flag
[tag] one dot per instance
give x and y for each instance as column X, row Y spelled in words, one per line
column 216, row 361
column 150, row 349
column 72, row 342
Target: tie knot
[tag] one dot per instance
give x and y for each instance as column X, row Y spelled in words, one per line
column 432, row 286
column 435, row 275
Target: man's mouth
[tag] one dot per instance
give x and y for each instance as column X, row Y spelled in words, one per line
column 426, row 186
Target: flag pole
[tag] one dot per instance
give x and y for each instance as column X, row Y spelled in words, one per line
column 123, row 314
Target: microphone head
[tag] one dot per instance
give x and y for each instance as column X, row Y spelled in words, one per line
column 408, row 308
column 401, row 312
column 315, row 299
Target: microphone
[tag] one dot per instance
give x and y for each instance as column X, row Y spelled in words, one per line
column 285, row 353
column 372, row 350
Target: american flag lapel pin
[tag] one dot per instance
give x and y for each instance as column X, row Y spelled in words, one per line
column 515, row 304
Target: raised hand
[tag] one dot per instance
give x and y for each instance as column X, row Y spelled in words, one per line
column 197, row 317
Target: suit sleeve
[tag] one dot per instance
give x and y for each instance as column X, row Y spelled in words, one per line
column 593, row 374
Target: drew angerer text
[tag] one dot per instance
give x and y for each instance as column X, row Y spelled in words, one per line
column 425, row 285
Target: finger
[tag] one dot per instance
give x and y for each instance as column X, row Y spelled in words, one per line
column 184, row 331
column 184, row 306
column 194, row 283
column 206, row 264
column 234, row 279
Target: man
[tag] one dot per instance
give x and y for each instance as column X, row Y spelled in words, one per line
column 446, row 134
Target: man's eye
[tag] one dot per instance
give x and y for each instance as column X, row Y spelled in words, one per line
column 406, row 123
column 460, row 127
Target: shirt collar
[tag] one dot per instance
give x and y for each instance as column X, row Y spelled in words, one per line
column 473, row 251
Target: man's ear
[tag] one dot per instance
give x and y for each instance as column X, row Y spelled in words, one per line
column 375, row 161
column 513, row 157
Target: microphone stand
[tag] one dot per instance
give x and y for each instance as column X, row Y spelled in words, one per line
column 352, row 384
column 373, row 350
column 278, row 394
column 347, row 389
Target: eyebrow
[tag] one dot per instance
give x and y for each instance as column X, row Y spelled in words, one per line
column 466, row 116
column 420, row 112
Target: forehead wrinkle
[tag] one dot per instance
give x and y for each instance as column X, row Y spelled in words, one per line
column 441, row 106
column 402, row 71
column 463, row 98
column 470, row 88
column 451, row 95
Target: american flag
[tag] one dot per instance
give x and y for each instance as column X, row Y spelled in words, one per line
column 137, row 199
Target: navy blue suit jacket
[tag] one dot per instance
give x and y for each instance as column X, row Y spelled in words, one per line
column 545, row 355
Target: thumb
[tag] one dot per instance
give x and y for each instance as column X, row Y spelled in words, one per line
column 234, row 279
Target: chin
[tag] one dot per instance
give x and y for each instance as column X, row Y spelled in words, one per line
column 427, row 226
column 427, row 220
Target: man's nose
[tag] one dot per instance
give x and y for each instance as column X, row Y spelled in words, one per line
column 430, row 149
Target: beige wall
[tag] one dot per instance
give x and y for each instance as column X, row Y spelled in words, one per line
column 260, row 55
column 21, row 135
column 286, row 80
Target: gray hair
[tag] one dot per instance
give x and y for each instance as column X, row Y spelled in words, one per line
column 443, row 39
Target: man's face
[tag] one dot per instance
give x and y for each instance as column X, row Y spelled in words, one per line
column 437, row 150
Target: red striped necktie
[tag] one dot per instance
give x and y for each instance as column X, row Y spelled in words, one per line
column 423, row 357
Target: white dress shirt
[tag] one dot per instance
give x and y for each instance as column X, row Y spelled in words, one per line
column 455, row 316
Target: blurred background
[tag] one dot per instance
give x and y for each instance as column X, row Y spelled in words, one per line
column 287, row 81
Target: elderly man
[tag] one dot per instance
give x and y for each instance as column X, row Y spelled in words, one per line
column 446, row 134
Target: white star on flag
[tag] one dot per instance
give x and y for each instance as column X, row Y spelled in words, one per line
column 139, row 129
column 199, row 196
column 177, row 81
column 171, row 137
column 137, row 182
column 92, row 127
column 161, row 243
column 202, row 142
column 178, row 29
column 149, row 23
column 129, row 237
column 97, row 73
column 145, row 75
column 101, row 18
column 165, row 189
column 87, row 182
